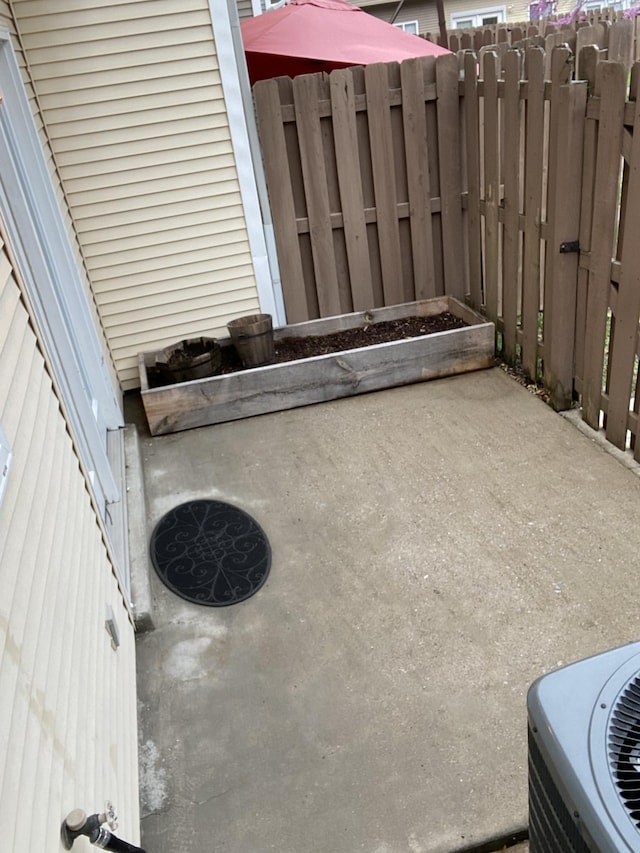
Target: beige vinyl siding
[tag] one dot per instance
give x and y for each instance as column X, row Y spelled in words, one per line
column 425, row 11
column 67, row 699
column 7, row 22
column 422, row 11
column 245, row 9
column 132, row 102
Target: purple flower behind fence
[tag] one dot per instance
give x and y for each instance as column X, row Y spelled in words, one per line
column 542, row 9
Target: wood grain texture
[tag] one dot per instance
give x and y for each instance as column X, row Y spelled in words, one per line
column 327, row 377
column 491, row 139
column 450, row 168
column 511, row 203
column 382, row 158
column 472, row 150
column 345, row 135
column 418, row 184
column 624, row 341
column 534, row 158
column 610, row 87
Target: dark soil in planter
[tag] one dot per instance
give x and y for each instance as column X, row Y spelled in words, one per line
column 290, row 349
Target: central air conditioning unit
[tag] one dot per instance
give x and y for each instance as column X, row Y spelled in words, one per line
column 584, row 756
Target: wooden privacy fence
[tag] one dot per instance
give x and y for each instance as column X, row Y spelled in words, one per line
column 608, row 297
column 617, row 36
column 507, row 183
column 364, row 169
column 524, row 191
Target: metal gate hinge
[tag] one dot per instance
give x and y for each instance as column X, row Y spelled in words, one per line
column 569, row 246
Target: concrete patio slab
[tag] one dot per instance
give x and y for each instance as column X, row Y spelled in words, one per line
column 435, row 549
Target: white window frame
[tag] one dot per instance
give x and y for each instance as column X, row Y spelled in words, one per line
column 476, row 15
column 56, row 293
column 413, row 27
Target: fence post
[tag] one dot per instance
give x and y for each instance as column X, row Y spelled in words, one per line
column 472, row 143
column 268, row 105
column 624, row 332
column 610, row 90
column 534, row 162
column 566, row 140
column 449, row 148
column 491, row 139
column 511, row 204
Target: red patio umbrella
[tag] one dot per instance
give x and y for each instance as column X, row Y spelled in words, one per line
column 319, row 35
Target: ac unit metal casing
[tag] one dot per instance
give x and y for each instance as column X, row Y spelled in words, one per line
column 584, row 756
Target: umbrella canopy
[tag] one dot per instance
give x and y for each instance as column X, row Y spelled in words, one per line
column 319, row 35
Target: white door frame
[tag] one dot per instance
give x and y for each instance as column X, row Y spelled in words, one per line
column 54, row 286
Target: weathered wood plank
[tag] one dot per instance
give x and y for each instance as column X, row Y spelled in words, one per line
column 491, row 184
column 472, row 150
column 590, row 59
column 564, row 218
column 449, row 146
column 382, row 155
column 511, row 203
column 415, row 142
column 274, row 153
column 349, row 178
column 534, row 157
column 586, row 36
column 610, row 87
column 312, row 157
column 624, row 345
column 621, row 43
column 561, row 69
column 283, row 386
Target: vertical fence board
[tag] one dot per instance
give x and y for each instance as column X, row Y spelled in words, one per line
column 623, row 347
column 305, row 96
column 274, row 152
column 511, row 176
column 621, row 43
column 491, row 184
column 595, row 35
column 343, row 110
column 534, row 155
column 472, row 147
column 610, row 88
column 590, row 59
column 564, row 219
column 448, row 105
column 415, row 142
column 560, row 65
column 382, row 156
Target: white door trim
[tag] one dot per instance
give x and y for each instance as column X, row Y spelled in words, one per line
column 54, row 286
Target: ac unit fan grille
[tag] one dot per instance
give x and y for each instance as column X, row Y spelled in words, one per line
column 624, row 749
column 551, row 826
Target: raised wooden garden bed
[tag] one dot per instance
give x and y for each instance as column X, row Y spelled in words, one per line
column 274, row 387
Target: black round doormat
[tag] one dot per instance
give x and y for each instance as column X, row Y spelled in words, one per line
column 210, row 552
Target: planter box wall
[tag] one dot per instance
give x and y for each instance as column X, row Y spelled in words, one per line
column 275, row 387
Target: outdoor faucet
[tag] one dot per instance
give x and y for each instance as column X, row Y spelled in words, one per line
column 93, row 826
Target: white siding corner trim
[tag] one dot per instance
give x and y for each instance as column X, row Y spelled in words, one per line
column 244, row 137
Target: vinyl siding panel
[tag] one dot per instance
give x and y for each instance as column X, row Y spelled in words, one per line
column 425, row 12
column 245, row 9
column 7, row 21
column 131, row 99
column 67, row 699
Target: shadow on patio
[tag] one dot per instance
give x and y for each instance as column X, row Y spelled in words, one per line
column 435, row 549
